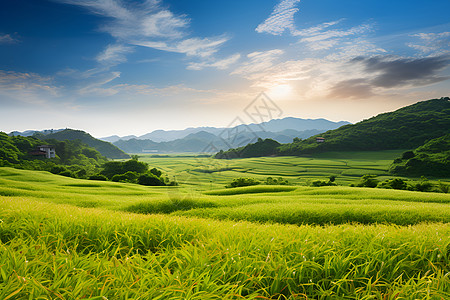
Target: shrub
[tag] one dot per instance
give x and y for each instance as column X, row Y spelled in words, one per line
column 127, row 177
column 368, row 181
column 66, row 173
column 150, row 179
column 156, row 172
column 318, row 183
column 395, row 183
column 276, row 181
column 423, row 186
column 408, row 155
column 445, row 188
column 242, row 181
column 98, row 177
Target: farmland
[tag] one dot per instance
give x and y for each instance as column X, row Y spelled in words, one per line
column 65, row 238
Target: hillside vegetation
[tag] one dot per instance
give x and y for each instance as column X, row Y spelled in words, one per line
column 71, row 156
column 105, row 148
column 405, row 128
column 431, row 159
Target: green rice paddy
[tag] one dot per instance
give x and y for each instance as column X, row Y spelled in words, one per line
column 64, row 238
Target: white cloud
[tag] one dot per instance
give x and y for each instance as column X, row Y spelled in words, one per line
column 221, row 64
column 97, row 88
column 27, row 88
column 280, row 19
column 163, row 24
column 191, row 47
column 147, row 24
column 10, row 80
column 431, row 43
column 330, row 34
column 257, row 63
column 114, row 54
column 7, row 39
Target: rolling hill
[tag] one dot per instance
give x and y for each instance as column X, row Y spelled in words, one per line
column 105, row 148
column 405, row 128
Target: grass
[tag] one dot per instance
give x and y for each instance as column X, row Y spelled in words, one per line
column 58, row 251
column 63, row 238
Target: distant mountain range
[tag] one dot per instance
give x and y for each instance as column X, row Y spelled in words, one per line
column 199, row 139
column 212, row 139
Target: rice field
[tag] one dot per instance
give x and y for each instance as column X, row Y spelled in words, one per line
column 64, row 238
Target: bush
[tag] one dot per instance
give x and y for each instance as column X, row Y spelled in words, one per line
column 66, row 173
column 129, row 176
column 368, row 181
column 276, row 181
column 395, row 183
column 445, row 188
column 318, row 183
column 156, row 172
column 423, row 186
column 150, row 180
column 98, row 177
column 408, row 155
column 242, row 181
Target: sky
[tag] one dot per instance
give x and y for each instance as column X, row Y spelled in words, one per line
column 117, row 67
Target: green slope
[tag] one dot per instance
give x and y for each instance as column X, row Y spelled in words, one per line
column 431, row 159
column 405, row 128
column 105, row 148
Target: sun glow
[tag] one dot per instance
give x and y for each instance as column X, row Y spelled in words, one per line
column 280, row 91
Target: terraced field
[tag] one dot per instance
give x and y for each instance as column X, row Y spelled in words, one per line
column 64, row 238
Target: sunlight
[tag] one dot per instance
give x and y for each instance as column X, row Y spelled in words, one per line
column 280, row 91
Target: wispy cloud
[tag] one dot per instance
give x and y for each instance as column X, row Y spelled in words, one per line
column 147, row 24
column 280, row 19
column 114, row 54
column 431, row 43
column 135, row 20
column 258, row 63
column 220, row 64
column 7, row 39
column 98, row 88
column 192, row 47
column 28, row 87
column 10, row 80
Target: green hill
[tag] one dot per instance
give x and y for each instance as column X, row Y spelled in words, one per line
column 105, row 148
column 262, row 147
column 431, row 159
column 405, row 128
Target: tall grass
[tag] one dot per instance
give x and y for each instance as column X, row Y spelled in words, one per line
column 62, row 252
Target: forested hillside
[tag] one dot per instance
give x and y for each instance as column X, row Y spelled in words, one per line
column 431, row 159
column 405, row 128
column 73, row 158
column 105, row 148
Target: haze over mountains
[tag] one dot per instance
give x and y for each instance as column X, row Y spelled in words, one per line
column 199, row 139
column 277, row 125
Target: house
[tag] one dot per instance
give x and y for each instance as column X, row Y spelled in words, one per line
column 45, row 150
column 320, row 139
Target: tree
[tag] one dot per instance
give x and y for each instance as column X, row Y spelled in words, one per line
column 368, row 181
column 151, row 180
column 156, row 172
column 242, row 181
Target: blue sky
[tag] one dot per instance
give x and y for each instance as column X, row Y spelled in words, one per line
column 130, row 67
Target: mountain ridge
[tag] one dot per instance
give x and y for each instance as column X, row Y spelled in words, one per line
column 274, row 125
